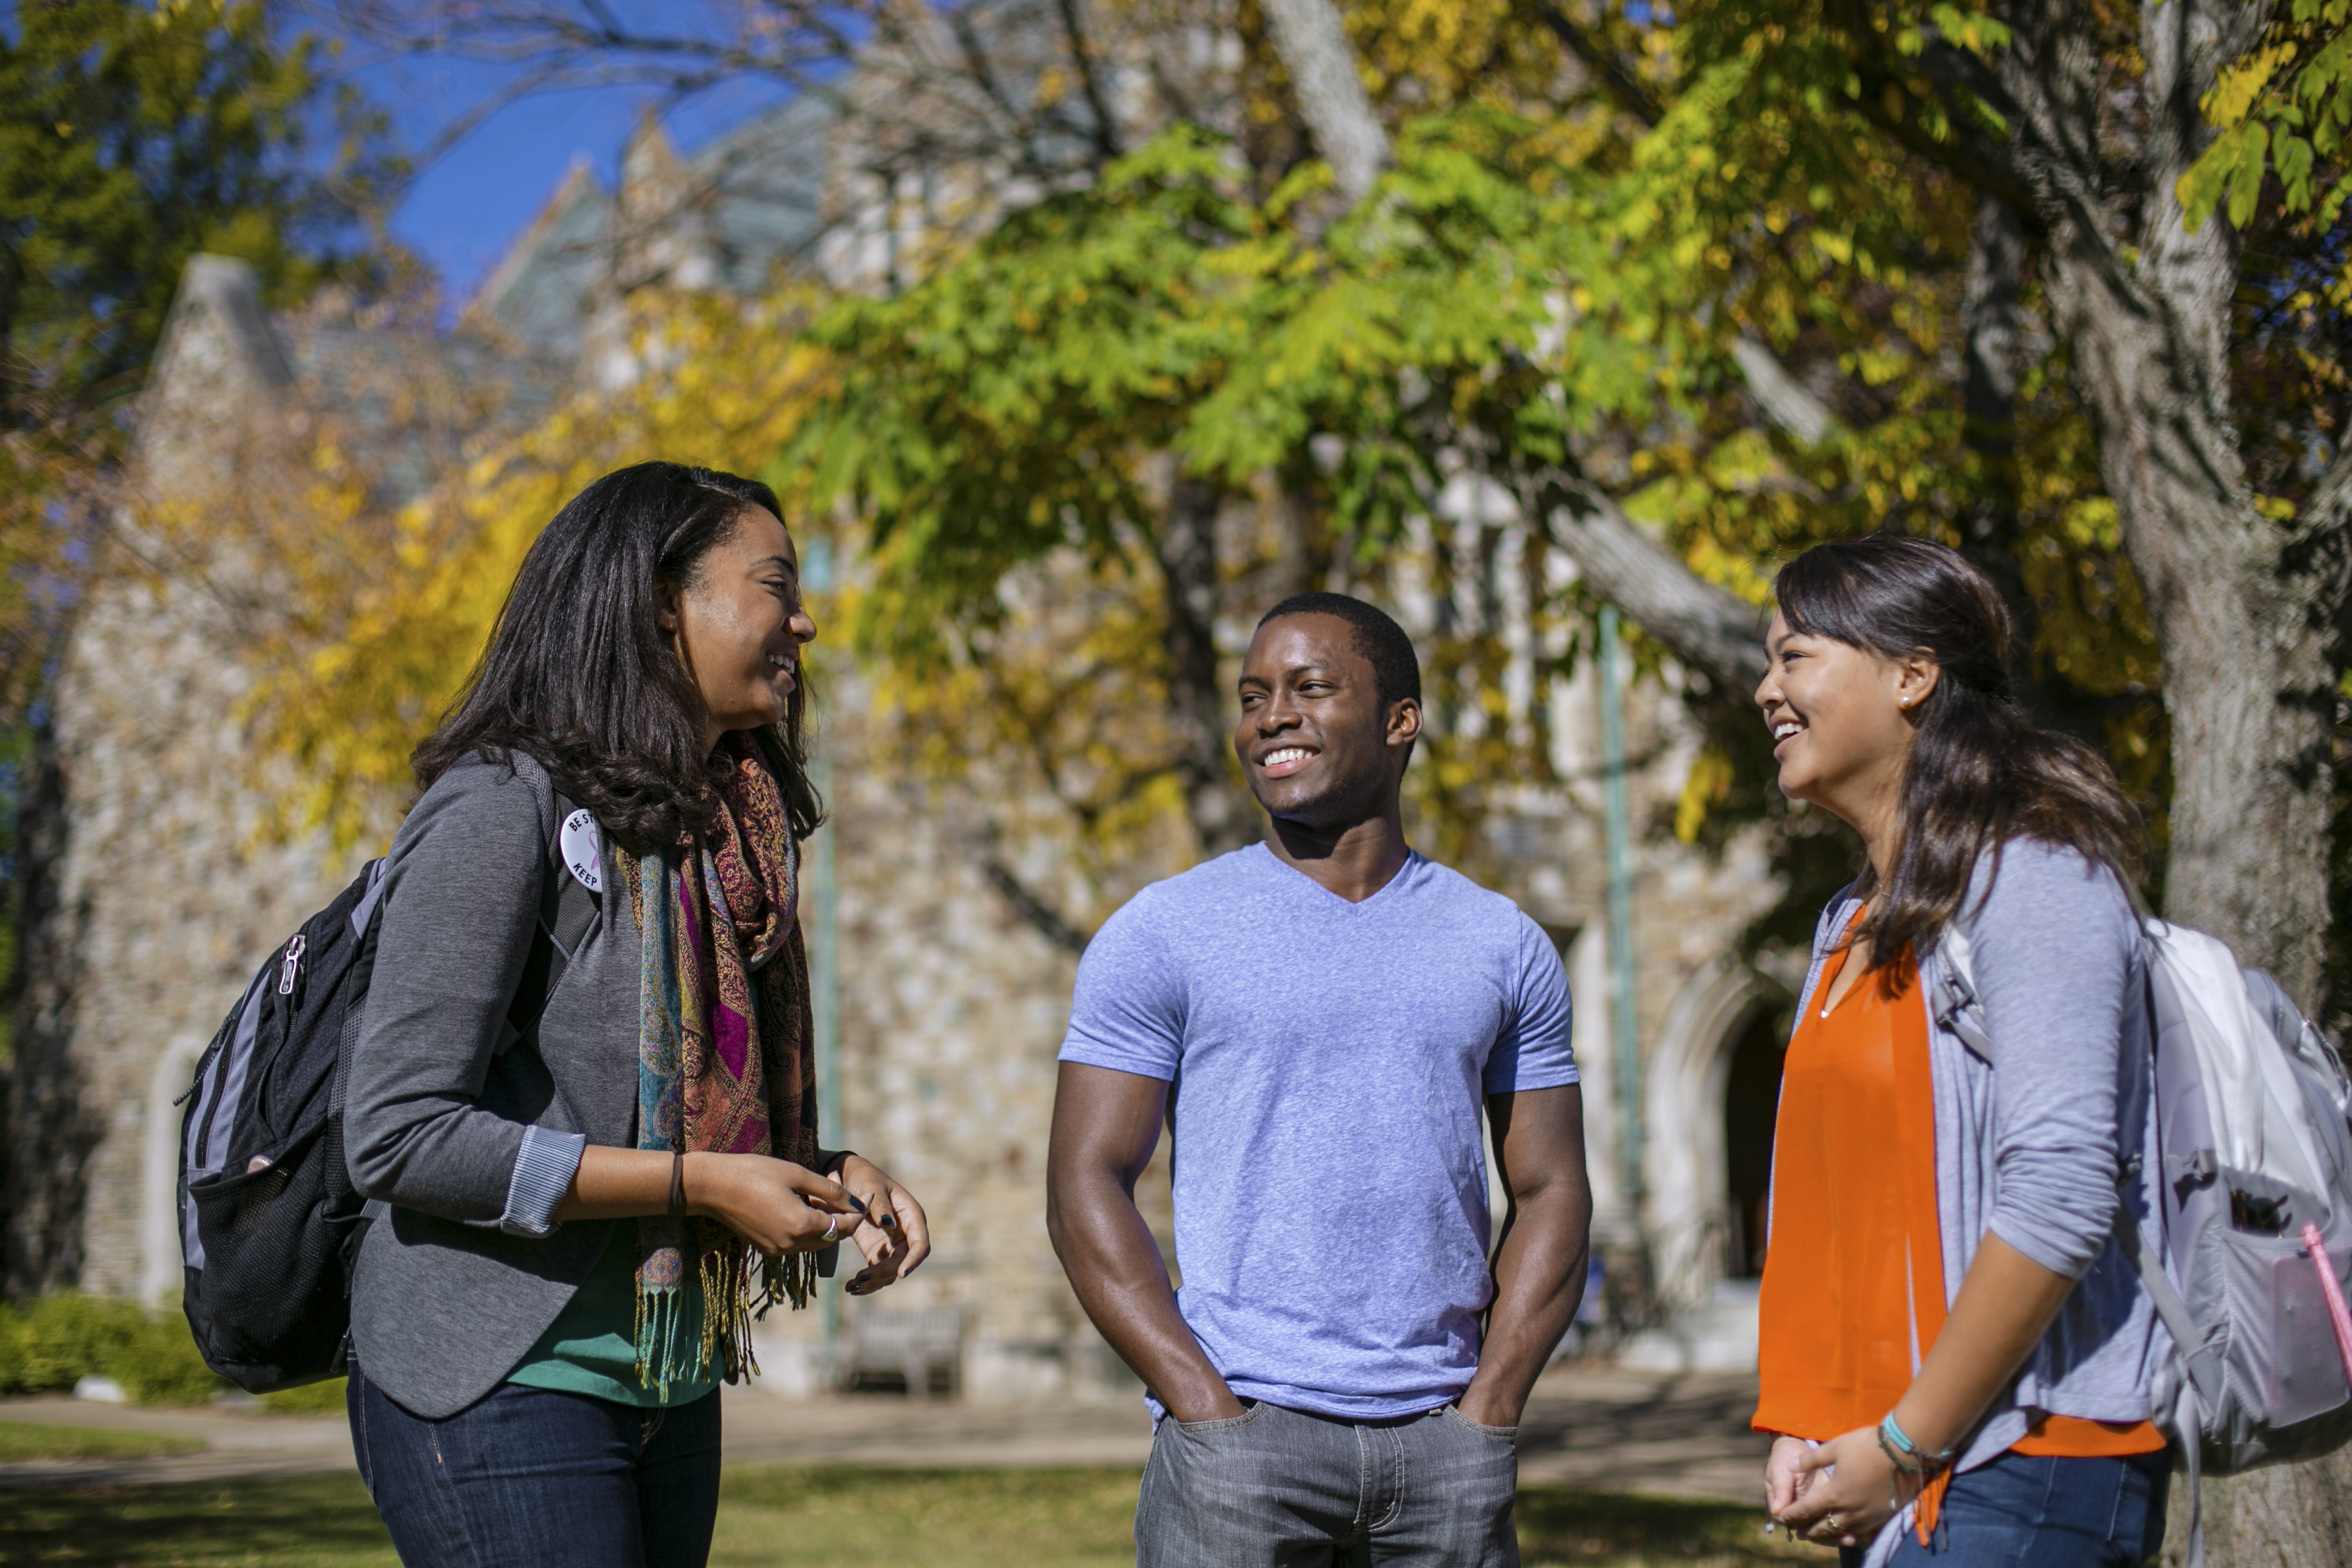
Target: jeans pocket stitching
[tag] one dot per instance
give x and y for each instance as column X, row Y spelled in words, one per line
column 1454, row 1413
column 1223, row 1424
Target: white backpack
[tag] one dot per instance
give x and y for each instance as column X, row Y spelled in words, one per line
column 2254, row 1154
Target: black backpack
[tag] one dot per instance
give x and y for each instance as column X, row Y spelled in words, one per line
column 269, row 1224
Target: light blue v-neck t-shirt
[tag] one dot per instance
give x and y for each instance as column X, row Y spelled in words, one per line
column 1328, row 1062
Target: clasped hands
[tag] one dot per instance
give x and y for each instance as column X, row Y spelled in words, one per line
column 781, row 1207
column 1840, row 1493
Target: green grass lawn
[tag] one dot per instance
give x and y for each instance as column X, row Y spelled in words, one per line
column 315, row 1521
column 790, row 1517
column 29, row 1440
column 310, row 1399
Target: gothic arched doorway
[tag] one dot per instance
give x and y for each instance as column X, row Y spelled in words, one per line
column 1751, row 1100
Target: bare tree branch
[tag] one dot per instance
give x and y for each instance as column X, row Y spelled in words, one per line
column 1621, row 86
column 1994, row 330
column 1706, row 626
column 470, row 119
column 927, row 87
column 1315, row 50
column 983, row 74
column 1041, row 917
column 1781, row 397
column 1106, row 130
column 1186, row 546
column 978, row 834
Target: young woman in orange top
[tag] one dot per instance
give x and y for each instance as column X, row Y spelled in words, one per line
column 1956, row 1357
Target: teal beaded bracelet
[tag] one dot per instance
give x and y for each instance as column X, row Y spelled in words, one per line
column 1906, row 1455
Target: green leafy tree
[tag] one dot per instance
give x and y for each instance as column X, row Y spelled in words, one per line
column 134, row 135
column 1110, row 367
column 131, row 137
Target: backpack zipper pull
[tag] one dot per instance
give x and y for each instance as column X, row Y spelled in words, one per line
column 293, row 959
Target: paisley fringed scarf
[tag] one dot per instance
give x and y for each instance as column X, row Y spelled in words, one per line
column 725, row 1061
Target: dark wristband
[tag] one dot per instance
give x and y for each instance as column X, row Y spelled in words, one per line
column 833, row 1161
column 678, row 1181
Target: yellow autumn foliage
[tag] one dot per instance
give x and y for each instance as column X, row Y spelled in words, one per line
column 378, row 639
column 382, row 617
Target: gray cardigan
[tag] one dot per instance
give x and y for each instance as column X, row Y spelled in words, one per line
column 2033, row 1136
column 463, row 1136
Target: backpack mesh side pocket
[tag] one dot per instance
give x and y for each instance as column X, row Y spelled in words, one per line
column 264, row 1230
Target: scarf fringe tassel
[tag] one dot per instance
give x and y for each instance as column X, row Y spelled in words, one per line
column 729, row 1305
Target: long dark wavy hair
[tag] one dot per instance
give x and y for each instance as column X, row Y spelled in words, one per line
column 1979, row 773
column 580, row 675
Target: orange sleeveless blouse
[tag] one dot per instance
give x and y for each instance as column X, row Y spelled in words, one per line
column 1852, row 1295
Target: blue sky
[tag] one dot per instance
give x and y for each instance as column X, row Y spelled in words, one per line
column 463, row 212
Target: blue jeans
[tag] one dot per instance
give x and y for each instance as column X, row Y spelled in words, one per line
column 1282, row 1488
column 531, row 1478
column 2034, row 1512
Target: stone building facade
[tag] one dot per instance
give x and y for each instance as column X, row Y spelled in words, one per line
column 159, row 889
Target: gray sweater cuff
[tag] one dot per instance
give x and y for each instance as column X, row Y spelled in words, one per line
column 543, row 1169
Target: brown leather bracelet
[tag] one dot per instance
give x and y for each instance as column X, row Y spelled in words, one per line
column 678, row 1181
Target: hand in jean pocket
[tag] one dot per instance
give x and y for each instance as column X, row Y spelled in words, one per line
column 1219, row 1423
column 1454, row 1414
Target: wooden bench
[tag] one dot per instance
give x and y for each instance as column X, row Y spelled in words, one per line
column 914, row 1344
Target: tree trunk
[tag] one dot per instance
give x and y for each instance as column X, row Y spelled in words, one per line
column 1321, row 64
column 2290, row 1516
column 1312, row 44
column 1221, row 817
column 2246, row 608
column 1302, row 550
column 2245, row 618
column 49, row 1136
column 1994, row 334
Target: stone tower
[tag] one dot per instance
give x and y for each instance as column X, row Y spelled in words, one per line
column 154, row 885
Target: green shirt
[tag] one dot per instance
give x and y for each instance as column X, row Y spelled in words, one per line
column 591, row 1346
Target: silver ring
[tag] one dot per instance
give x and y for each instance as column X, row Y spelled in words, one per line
column 832, row 1231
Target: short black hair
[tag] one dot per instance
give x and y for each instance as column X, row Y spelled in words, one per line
column 1396, row 669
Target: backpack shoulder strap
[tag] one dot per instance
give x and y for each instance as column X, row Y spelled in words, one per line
column 355, row 982
column 2203, row 1360
column 1953, row 995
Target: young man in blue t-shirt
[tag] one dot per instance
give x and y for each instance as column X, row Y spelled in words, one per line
column 1320, row 1018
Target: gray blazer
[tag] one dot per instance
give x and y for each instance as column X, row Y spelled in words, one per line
column 450, row 1293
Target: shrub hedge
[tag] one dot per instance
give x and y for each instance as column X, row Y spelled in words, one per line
column 51, row 1344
